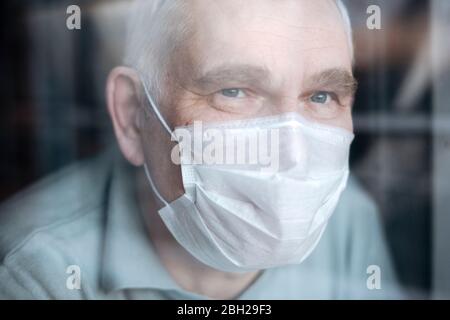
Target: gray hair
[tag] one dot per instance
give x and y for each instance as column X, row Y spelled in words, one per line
column 347, row 22
column 157, row 28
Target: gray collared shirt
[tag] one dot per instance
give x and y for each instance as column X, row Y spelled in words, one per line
column 84, row 224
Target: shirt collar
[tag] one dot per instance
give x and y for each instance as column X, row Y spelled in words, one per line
column 129, row 260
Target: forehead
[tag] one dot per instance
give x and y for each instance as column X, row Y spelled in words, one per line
column 292, row 35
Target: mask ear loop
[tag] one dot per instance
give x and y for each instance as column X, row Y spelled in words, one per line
column 152, row 185
column 166, row 126
column 156, row 111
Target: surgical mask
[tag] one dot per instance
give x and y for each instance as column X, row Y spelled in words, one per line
column 240, row 218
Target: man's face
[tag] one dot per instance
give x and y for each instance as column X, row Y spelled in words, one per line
column 245, row 59
column 253, row 58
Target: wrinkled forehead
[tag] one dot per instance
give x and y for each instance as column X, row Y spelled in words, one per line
column 280, row 34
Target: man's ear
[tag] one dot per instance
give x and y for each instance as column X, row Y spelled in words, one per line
column 123, row 101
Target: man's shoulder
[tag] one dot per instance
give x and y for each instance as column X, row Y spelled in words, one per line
column 356, row 205
column 350, row 229
column 356, row 216
column 353, row 241
column 53, row 203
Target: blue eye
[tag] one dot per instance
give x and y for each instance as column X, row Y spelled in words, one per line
column 320, row 97
column 232, row 93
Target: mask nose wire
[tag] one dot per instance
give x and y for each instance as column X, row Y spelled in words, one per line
column 167, row 128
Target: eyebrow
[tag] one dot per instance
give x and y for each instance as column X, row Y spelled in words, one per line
column 240, row 74
column 335, row 79
column 339, row 80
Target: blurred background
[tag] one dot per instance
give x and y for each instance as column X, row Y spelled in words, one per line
column 53, row 112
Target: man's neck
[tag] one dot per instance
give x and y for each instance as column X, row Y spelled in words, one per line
column 190, row 274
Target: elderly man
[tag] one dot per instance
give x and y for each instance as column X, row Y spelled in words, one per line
column 169, row 228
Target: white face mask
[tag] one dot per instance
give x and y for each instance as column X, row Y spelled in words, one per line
column 241, row 218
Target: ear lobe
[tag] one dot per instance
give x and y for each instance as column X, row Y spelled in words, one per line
column 123, row 102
